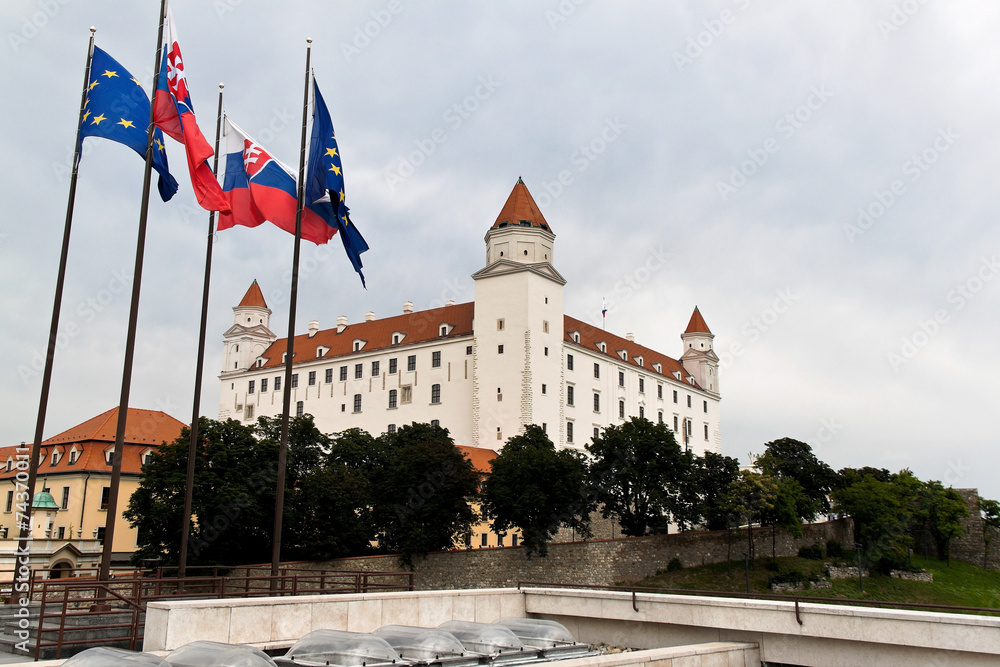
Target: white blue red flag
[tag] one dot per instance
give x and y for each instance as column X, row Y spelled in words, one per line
column 257, row 187
column 604, row 307
column 174, row 114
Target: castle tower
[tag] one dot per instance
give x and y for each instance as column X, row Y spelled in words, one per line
column 699, row 359
column 249, row 336
column 517, row 365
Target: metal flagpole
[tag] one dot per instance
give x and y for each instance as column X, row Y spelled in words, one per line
column 279, row 501
column 116, row 468
column 199, row 367
column 43, row 403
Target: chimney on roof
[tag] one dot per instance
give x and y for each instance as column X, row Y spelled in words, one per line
column 407, row 307
column 313, row 328
column 630, row 337
column 370, row 316
column 449, row 302
column 341, row 323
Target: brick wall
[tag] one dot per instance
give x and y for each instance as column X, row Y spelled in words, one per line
column 597, row 562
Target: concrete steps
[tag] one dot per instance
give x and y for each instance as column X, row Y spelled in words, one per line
column 76, row 628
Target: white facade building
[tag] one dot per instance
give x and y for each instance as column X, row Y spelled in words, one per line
column 484, row 369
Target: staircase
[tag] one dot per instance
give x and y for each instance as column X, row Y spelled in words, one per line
column 79, row 632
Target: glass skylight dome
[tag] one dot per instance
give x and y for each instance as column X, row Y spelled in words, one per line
column 216, row 654
column 412, row 643
column 537, row 632
column 103, row 656
column 337, row 647
column 485, row 638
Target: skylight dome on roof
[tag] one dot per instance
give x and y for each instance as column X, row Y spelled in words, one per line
column 217, row 654
column 338, row 647
column 484, row 638
column 103, row 656
column 413, row 643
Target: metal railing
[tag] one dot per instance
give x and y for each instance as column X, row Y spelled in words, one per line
column 796, row 599
column 116, row 609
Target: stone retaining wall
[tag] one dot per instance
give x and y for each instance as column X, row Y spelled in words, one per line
column 596, row 562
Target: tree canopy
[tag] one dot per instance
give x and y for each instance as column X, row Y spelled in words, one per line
column 537, row 489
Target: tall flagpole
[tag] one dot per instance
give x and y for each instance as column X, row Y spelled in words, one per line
column 24, row 537
column 116, row 468
column 279, row 500
column 199, row 367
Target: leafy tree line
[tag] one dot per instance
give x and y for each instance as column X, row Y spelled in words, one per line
column 412, row 491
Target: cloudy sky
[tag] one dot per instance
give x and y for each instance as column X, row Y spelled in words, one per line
column 819, row 178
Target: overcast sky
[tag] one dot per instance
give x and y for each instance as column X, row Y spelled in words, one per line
column 819, row 178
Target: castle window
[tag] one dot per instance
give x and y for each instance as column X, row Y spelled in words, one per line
column 444, row 330
column 642, row 412
column 642, row 385
column 277, row 383
column 706, row 431
column 546, row 351
column 299, row 409
column 375, row 369
column 545, row 326
column 500, row 324
column 359, row 371
column 263, row 385
column 638, row 360
column 105, row 497
column 392, row 398
column 312, row 378
column 357, row 402
column 343, row 373
column 411, row 362
column 597, row 371
column 236, row 348
column 621, row 378
column 569, row 362
column 435, row 393
column 675, row 395
column 436, row 359
column 10, row 500
column 621, row 409
column 73, row 456
column 55, row 457
column 435, row 423
column 468, row 349
column 392, row 367
column 675, row 423
column 569, row 431
column 250, row 386
column 597, row 432
column 524, row 223
column 659, row 416
column 704, row 405
column 392, row 429
column 659, row 391
column 328, row 376
column 689, row 400
column 295, row 380
column 569, row 395
column 499, row 349
column 658, row 368
column 544, row 388
column 597, row 402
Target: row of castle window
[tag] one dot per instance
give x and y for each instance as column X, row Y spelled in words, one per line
column 411, row 365
column 621, row 382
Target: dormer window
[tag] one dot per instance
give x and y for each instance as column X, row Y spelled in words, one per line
column 574, row 336
column 603, row 347
column 260, row 363
column 524, row 223
column 109, row 456
column 638, row 360
column 321, row 351
column 397, row 337
column 658, row 368
column 503, row 224
column 146, row 457
column 359, row 344
column 445, row 329
column 677, row 374
column 73, row 455
column 56, row 455
column 10, row 464
column 623, row 354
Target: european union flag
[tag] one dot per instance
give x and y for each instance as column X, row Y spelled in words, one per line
column 325, row 181
column 117, row 108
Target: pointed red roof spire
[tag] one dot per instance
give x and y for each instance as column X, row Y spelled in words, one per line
column 254, row 297
column 697, row 323
column 520, row 209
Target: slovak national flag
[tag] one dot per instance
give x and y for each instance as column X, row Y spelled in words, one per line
column 174, row 114
column 258, row 187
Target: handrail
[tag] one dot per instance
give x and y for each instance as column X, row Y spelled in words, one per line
column 761, row 596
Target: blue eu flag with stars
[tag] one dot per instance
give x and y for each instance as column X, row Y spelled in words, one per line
column 117, row 108
column 325, row 182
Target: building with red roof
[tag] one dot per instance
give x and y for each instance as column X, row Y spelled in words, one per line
column 482, row 369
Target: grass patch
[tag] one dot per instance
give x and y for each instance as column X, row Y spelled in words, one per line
column 961, row 584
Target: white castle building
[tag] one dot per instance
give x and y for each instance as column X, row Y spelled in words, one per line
column 484, row 369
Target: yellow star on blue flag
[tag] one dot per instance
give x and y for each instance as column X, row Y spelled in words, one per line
column 111, row 94
column 325, row 182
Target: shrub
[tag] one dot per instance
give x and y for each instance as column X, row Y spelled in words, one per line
column 772, row 565
column 834, row 549
column 815, row 552
column 674, row 565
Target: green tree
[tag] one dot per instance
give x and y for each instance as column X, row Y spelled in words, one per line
column 990, row 512
column 537, row 489
column 713, row 474
column 882, row 513
column 792, row 459
column 632, row 467
column 421, row 495
column 750, row 495
column 941, row 511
